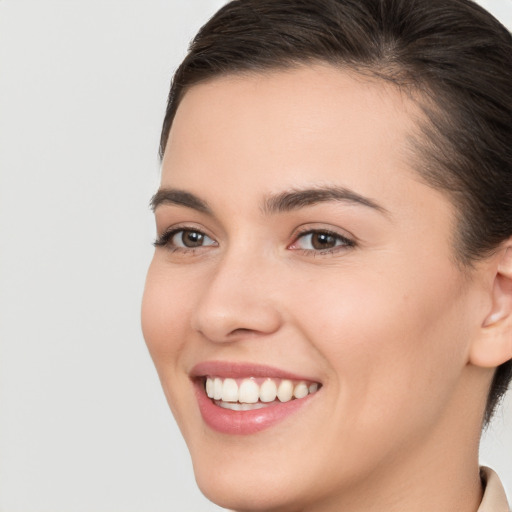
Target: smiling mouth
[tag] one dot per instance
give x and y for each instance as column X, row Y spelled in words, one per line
column 237, row 398
column 255, row 393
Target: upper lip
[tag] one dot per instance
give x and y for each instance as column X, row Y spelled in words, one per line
column 235, row 370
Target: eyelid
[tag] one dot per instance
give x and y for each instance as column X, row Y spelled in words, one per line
column 164, row 238
column 320, row 227
column 348, row 241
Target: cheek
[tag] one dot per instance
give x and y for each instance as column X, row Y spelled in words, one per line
column 165, row 317
column 394, row 344
column 164, row 314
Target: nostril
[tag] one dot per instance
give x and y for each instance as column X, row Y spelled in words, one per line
column 225, row 330
column 243, row 331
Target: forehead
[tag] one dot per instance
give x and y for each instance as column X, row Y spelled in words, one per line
column 312, row 90
column 316, row 122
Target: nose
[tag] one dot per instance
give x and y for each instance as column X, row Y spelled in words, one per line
column 238, row 301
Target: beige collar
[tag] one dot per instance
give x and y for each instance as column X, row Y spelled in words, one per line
column 495, row 499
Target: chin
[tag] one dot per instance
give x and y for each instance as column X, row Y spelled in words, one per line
column 267, row 472
column 249, row 490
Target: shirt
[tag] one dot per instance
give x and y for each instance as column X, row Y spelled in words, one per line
column 495, row 499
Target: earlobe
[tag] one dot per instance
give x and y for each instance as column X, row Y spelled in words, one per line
column 493, row 346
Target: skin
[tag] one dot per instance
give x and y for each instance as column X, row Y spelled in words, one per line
column 389, row 324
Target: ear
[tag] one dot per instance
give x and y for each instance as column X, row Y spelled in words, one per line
column 493, row 346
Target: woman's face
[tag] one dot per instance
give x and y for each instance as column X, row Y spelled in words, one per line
column 299, row 251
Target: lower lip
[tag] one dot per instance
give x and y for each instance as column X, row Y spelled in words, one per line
column 244, row 422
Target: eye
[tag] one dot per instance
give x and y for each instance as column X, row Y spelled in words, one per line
column 189, row 239
column 320, row 240
column 183, row 239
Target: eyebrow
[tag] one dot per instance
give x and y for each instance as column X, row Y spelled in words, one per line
column 179, row 198
column 277, row 203
column 295, row 199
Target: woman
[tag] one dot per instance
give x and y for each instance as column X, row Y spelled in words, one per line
column 329, row 307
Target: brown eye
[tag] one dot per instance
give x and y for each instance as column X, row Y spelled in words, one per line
column 189, row 239
column 321, row 241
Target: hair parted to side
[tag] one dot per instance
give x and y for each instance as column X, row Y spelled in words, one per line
column 452, row 56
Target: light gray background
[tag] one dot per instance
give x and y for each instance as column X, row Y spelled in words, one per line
column 83, row 422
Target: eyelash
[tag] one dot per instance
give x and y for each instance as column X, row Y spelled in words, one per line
column 346, row 243
column 166, row 237
column 164, row 240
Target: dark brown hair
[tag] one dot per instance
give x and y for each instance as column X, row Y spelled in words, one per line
column 451, row 55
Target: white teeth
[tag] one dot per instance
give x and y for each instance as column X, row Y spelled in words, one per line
column 229, row 390
column 300, row 390
column 217, row 388
column 209, row 388
column 285, row 391
column 249, row 395
column 249, row 392
column 240, row 407
column 268, row 391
